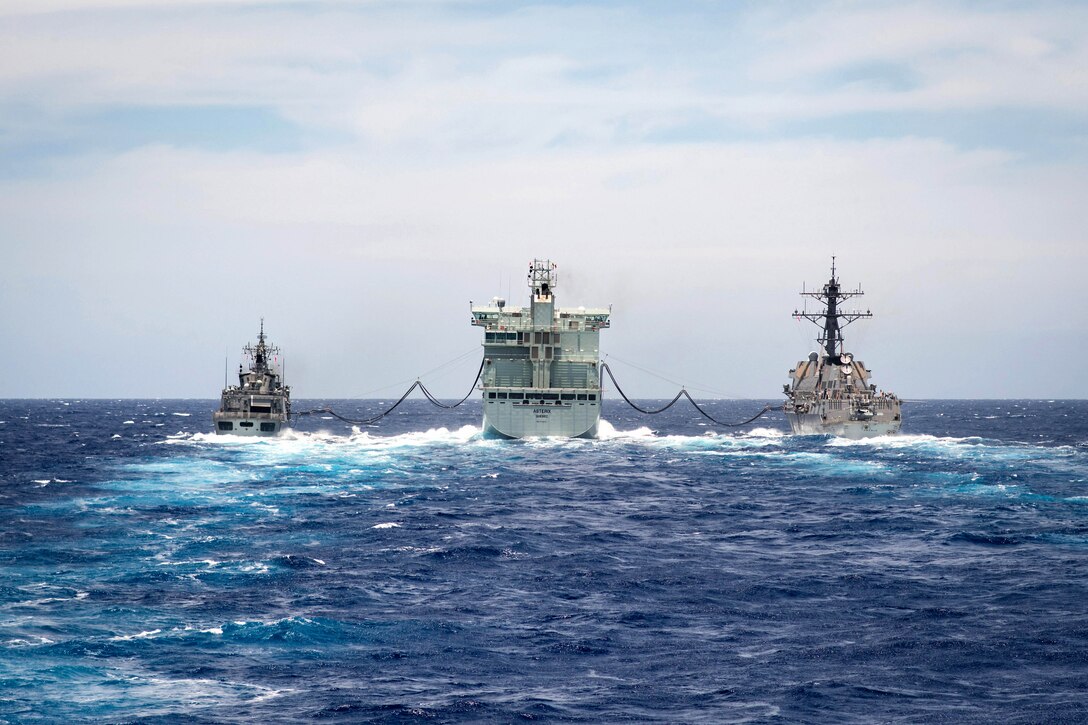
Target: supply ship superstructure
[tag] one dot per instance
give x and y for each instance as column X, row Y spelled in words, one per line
column 260, row 404
column 541, row 374
column 830, row 393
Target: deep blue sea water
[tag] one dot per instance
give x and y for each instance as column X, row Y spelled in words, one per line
column 668, row 572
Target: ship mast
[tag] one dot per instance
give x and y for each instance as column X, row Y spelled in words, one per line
column 261, row 352
column 542, row 280
column 831, row 319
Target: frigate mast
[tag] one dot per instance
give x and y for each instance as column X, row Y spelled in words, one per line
column 832, row 320
column 261, row 352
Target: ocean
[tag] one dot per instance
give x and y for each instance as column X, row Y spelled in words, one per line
column 668, row 572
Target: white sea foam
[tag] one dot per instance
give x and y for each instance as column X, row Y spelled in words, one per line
column 899, row 440
column 141, row 635
column 33, row 641
column 43, row 482
column 764, row 433
column 387, row 525
column 210, row 563
column 295, row 441
column 607, row 432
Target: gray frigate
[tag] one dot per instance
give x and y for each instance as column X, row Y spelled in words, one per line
column 260, row 404
column 830, row 393
column 541, row 374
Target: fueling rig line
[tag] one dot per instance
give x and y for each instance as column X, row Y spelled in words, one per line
column 683, row 394
column 429, row 396
column 417, row 384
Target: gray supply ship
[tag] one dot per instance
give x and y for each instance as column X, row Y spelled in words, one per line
column 830, row 393
column 260, row 404
column 541, row 374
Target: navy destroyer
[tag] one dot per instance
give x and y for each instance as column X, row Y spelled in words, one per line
column 541, row 373
column 830, row 393
column 260, row 404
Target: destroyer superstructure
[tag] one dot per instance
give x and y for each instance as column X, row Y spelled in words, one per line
column 830, row 393
column 541, row 374
column 260, row 404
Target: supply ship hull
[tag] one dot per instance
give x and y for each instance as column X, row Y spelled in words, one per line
column 541, row 372
column 524, row 413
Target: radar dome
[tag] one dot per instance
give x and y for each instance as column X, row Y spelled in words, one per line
column 813, row 357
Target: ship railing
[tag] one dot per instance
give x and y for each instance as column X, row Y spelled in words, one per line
column 843, row 404
column 528, row 326
column 250, row 414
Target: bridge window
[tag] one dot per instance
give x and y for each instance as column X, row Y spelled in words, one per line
column 226, row 425
column 550, row 396
column 268, row 427
column 583, row 396
column 491, row 395
column 517, row 396
column 567, row 396
column 502, row 396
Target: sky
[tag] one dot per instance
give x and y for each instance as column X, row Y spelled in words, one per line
column 356, row 172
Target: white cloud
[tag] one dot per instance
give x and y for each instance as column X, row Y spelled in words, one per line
column 703, row 240
column 469, row 142
column 433, row 72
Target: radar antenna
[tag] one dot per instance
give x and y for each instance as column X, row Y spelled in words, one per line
column 542, row 277
column 261, row 352
column 831, row 319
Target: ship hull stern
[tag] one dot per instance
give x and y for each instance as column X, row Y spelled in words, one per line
column 511, row 419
